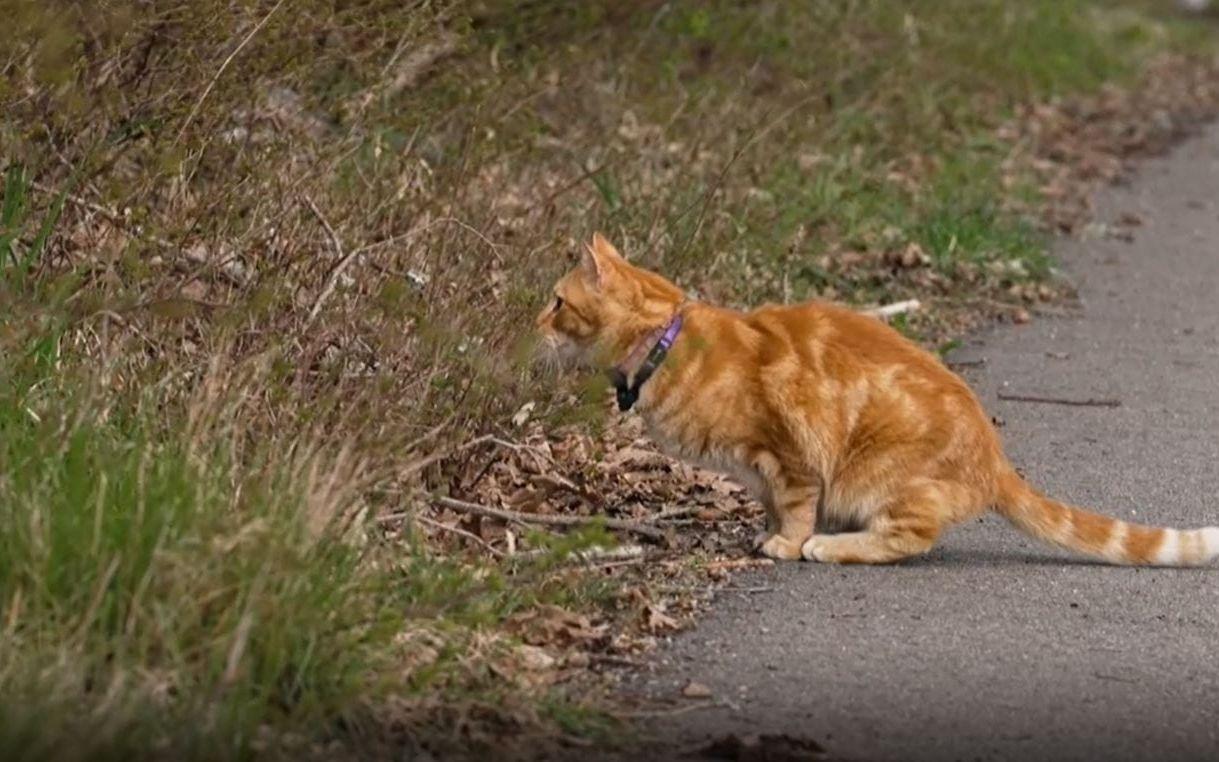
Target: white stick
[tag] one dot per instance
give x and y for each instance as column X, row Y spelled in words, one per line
column 897, row 308
column 332, row 280
column 593, row 554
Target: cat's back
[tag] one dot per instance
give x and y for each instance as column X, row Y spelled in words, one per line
column 838, row 340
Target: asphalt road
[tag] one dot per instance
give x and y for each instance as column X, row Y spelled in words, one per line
column 994, row 647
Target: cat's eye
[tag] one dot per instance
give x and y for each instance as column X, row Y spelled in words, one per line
column 558, row 303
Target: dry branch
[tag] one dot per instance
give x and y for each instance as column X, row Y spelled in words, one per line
column 671, row 711
column 423, row 462
column 119, row 221
column 595, row 554
column 550, row 520
column 228, row 60
column 460, row 533
column 1090, row 402
column 676, row 513
column 897, row 308
column 337, row 271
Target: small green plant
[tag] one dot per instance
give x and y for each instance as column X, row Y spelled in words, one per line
column 11, row 212
column 947, row 347
column 13, row 220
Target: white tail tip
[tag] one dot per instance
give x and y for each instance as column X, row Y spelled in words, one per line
column 1210, row 543
column 1188, row 547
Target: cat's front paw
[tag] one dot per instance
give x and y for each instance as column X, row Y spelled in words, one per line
column 814, row 549
column 780, row 548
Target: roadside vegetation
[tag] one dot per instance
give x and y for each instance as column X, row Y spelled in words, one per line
column 267, row 275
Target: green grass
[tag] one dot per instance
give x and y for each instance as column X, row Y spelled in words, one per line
column 16, row 266
column 154, row 595
column 171, row 586
column 863, row 89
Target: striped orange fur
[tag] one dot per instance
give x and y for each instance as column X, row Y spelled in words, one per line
column 833, row 419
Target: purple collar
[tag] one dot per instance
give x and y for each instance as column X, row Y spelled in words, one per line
column 628, row 388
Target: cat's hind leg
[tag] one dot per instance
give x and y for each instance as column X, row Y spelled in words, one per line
column 772, row 520
column 908, row 525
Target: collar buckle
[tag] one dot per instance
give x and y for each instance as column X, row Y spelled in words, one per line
column 626, row 389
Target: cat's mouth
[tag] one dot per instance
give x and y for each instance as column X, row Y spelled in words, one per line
column 559, row 354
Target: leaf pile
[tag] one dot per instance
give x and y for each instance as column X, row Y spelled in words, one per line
column 616, row 474
column 1074, row 144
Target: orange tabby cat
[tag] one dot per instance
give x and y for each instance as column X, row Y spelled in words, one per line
column 831, row 418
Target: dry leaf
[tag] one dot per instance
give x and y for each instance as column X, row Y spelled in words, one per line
column 657, row 621
column 534, row 658
column 522, row 415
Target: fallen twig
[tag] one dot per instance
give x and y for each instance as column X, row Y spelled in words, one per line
column 462, row 533
column 619, row 553
column 967, row 363
column 121, row 222
column 552, row 520
column 1090, row 402
column 408, row 72
column 594, row 555
column 430, row 433
column 421, row 463
column 517, row 447
column 669, row 712
column 739, row 563
column 606, row 565
column 897, row 308
column 344, row 259
column 710, row 588
column 568, row 186
column 232, row 663
column 224, row 65
column 676, row 513
column 109, row 214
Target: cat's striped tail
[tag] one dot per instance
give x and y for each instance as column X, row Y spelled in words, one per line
column 1102, row 537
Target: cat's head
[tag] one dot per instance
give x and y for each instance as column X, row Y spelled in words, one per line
column 603, row 305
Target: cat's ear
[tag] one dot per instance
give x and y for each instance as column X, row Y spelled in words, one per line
column 604, row 248
column 599, row 259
